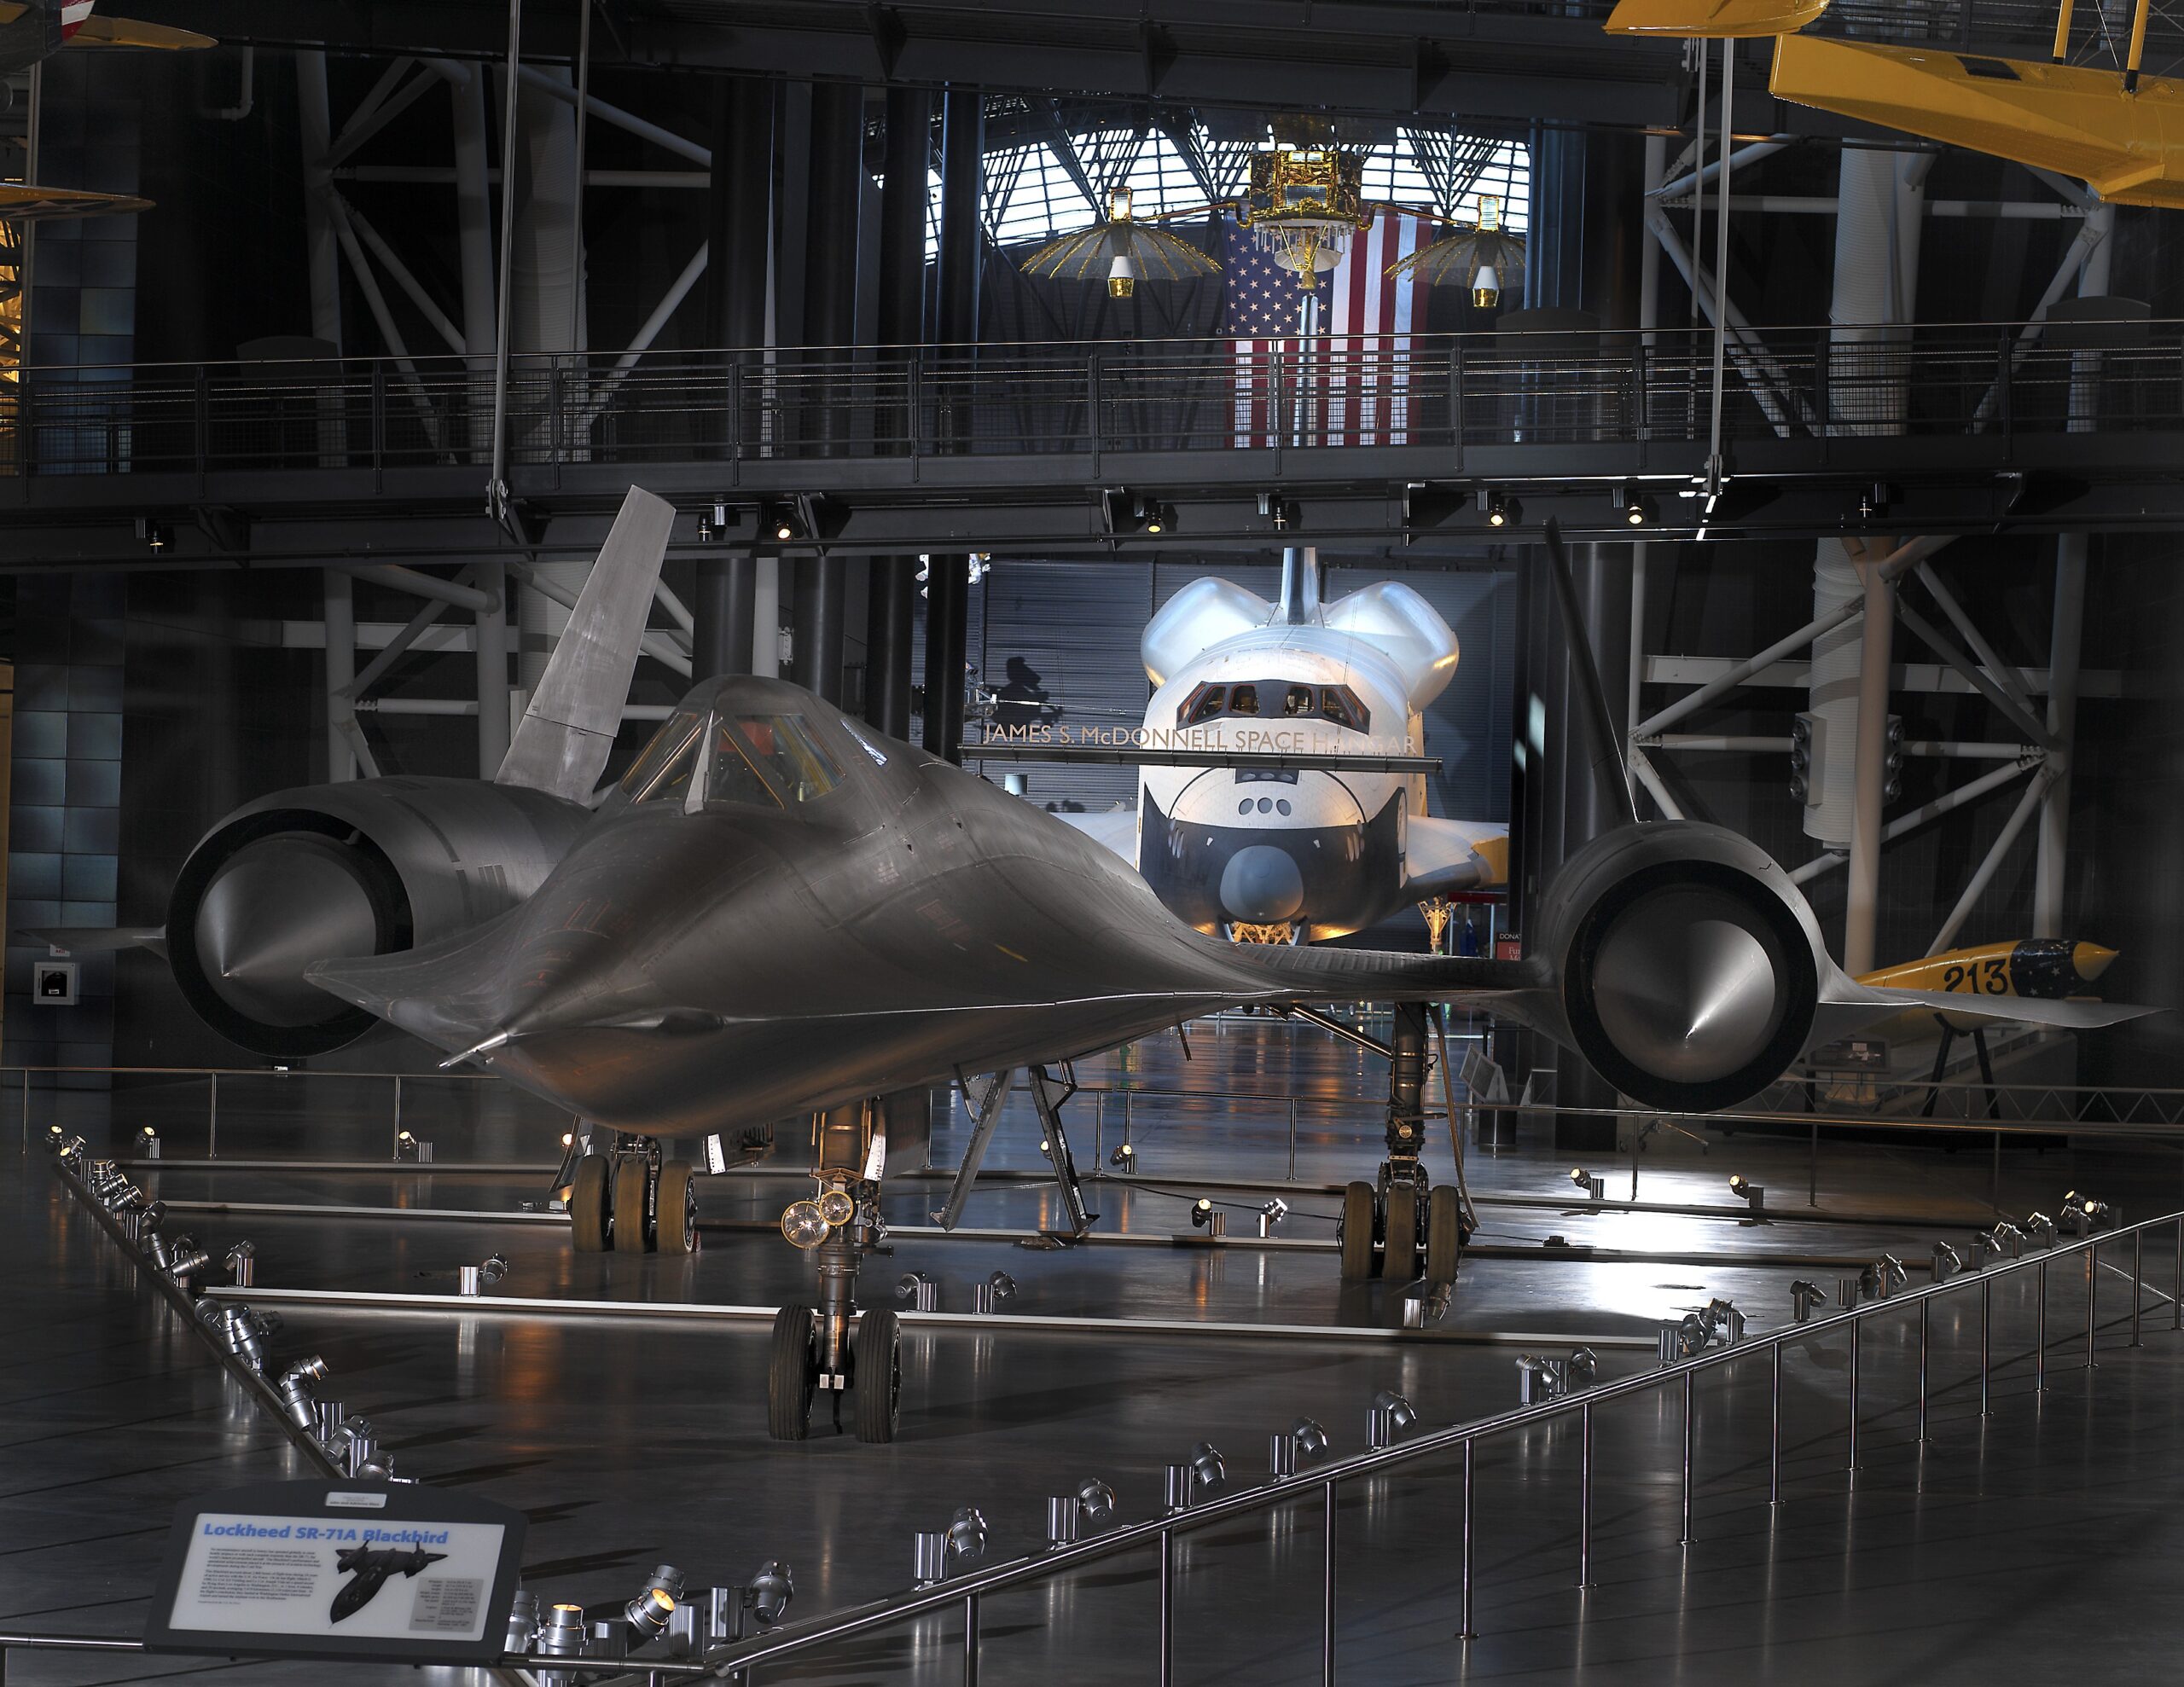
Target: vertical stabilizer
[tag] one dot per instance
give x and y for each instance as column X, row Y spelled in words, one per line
column 1300, row 587
column 562, row 742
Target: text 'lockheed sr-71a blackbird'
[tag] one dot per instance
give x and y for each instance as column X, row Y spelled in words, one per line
column 777, row 912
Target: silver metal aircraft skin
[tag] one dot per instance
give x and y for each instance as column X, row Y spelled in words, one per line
column 718, row 956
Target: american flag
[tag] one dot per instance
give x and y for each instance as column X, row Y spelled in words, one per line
column 1346, row 384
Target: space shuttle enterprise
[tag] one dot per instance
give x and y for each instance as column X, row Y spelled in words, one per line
column 1308, row 819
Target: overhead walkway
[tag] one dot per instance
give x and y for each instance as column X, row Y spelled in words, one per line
column 1065, row 447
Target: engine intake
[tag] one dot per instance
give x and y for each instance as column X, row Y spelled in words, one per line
column 364, row 868
column 1689, row 965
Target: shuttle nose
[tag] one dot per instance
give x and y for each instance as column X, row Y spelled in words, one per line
column 1262, row 885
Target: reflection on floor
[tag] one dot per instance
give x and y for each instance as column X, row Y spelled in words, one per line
column 1996, row 1546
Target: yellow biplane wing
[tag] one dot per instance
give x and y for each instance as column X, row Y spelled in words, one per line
column 98, row 32
column 1716, row 20
column 2128, row 145
column 20, row 202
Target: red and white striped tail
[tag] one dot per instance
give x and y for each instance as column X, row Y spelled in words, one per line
column 73, row 14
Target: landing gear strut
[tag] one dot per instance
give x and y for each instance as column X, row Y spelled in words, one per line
column 627, row 1197
column 833, row 1348
column 1402, row 1212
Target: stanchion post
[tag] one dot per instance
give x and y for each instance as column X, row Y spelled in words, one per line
column 1167, row 1608
column 2040, row 1333
column 1688, row 1415
column 1585, row 1495
column 212, row 1119
column 2091, row 1296
column 1774, row 1424
column 1327, row 1587
column 2138, row 1282
column 1466, row 1631
column 1924, row 1332
column 1986, row 1332
column 1857, row 1329
column 970, row 1640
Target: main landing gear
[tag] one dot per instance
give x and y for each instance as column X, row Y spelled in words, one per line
column 833, row 1347
column 628, row 1198
column 1386, row 1225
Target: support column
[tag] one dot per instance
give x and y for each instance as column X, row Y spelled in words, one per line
column 491, row 632
column 821, row 593
column 739, row 225
column 947, row 610
column 891, row 602
column 1869, row 772
column 721, row 609
column 339, row 616
column 473, row 218
column 2065, row 640
column 962, row 237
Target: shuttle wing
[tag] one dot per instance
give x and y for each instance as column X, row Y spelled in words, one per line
column 20, row 202
column 1115, row 830
column 98, row 31
column 1444, row 856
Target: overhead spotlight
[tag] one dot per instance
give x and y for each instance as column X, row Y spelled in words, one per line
column 1126, row 513
column 1632, row 504
column 783, row 520
column 1156, row 518
column 156, row 533
column 804, row 1225
column 1501, row 510
column 1390, row 1415
column 568, row 1138
column 1124, row 1156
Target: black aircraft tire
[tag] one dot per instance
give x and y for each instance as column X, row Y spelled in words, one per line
column 1356, row 1232
column 791, row 1376
column 676, row 1227
column 879, row 1356
column 631, row 1176
column 588, row 1204
column 1444, row 1234
column 1399, row 1262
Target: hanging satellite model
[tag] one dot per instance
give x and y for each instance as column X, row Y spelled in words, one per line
column 1304, row 201
column 1489, row 259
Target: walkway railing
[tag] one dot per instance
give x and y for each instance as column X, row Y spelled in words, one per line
column 963, row 1594
column 1085, row 399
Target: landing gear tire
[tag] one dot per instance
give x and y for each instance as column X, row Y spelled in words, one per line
column 631, row 1176
column 1444, row 1234
column 1399, row 1263
column 792, row 1375
column 676, row 1224
column 588, row 1204
column 879, row 1376
column 1357, row 1203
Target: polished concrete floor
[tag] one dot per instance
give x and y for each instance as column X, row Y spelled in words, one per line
column 1998, row 1544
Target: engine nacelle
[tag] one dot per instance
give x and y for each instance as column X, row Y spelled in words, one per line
column 367, row 867
column 1688, row 966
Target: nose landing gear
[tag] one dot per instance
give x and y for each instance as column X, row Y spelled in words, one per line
column 833, row 1348
column 1403, row 1213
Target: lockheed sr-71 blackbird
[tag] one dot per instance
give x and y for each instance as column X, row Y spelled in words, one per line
column 778, row 912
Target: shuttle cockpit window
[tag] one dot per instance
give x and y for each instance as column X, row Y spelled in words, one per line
column 663, row 770
column 767, row 760
column 1338, row 705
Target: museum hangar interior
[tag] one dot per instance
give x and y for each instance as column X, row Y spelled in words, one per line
column 1157, row 842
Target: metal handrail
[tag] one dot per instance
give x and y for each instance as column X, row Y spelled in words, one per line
column 594, row 1670
column 965, row 1591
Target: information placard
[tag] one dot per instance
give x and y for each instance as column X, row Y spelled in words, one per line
column 373, row 1571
